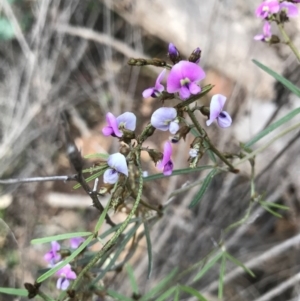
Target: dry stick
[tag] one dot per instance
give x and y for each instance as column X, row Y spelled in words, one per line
column 280, row 288
column 275, row 251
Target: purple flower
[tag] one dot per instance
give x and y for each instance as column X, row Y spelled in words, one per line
column 75, row 242
column 118, row 164
column 183, row 78
column 266, row 33
column 216, row 106
column 53, row 256
column 290, row 9
column 166, row 163
column 173, row 53
column 157, row 89
column 64, row 275
column 267, row 8
column 125, row 121
column 165, row 119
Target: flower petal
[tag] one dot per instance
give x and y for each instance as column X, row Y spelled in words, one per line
column 148, row 92
column 184, row 92
column 64, row 284
column 128, row 120
column 71, row 275
column 162, row 117
column 118, row 162
column 191, row 70
column 107, row 131
column 55, row 246
column 166, row 155
column 224, row 120
column 290, row 8
column 112, row 122
column 158, row 86
column 194, row 88
column 110, row 176
column 168, row 168
column 216, row 107
column 174, row 127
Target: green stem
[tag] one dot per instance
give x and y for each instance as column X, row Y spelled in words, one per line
column 44, row 296
column 288, row 41
column 210, row 145
column 112, row 241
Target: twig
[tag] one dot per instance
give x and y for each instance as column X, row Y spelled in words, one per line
column 280, row 288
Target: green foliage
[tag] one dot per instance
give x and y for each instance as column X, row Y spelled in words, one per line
column 149, row 248
column 192, row 292
column 14, row 291
column 132, row 279
column 59, row 237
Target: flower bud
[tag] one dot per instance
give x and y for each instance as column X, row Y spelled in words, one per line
column 173, row 54
column 195, row 56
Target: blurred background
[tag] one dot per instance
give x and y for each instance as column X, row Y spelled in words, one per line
column 72, row 56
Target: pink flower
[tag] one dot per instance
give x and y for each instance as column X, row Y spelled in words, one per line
column 126, row 121
column 267, row 8
column 75, row 242
column 183, row 78
column 64, row 275
column 53, row 256
column 166, row 163
column 157, row 89
column 216, row 112
column 266, row 33
column 290, row 9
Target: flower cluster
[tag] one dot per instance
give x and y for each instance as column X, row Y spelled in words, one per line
column 53, row 258
column 182, row 82
column 277, row 11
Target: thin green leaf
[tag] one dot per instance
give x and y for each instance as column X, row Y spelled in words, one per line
column 149, row 248
column 59, row 237
column 176, row 296
column 166, row 294
column 118, row 296
column 278, row 77
column 177, row 172
column 102, row 217
column 240, row 264
column 272, row 127
column 92, row 177
column 66, row 261
column 192, row 292
column 208, row 266
column 197, row 198
column 271, row 211
column 14, row 291
column 221, row 278
column 97, row 156
column 161, row 285
column 274, row 205
column 133, row 282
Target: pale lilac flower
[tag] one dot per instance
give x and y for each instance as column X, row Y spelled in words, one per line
column 267, row 8
column 183, row 78
column 166, row 163
column 117, row 164
column 290, row 9
column 53, row 255
column 266, row 36
column 75, row 242
column 157, row 89
column 126, row 121
column 216, row 112
column 165, row 119
column 65, row 274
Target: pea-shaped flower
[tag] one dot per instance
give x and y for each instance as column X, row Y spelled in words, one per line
column 117, row 164
column 53, row 255
column 290, row 9
column 183, row 78
column 157, row 89
column 216, row 112
column 267, row 8
column 115, row 125
column 166, row 163
column 165, row 119
column 65, row 274
column 266, row 36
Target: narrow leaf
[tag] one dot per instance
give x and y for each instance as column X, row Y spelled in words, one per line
column 197, row 198
column 240, row 264
column 192, row 292
column 274, row 205
column 14, row 291
column 59, row 237
column 166, row 294
column 221, row 278
column 102, row 217
column 176, row 295
column 278, row 77
column 66, row 261
column 272, row 127
column 133, row 282
column 160, row 286
column 177, row 172
column 208, row 266
column 92, row 177
column 97, row 156
column 118, row 296
column 271, row 211
column 149, row 248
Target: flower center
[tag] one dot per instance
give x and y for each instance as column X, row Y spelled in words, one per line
column 185, row 81
column 265, row 8
column 222, row 115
